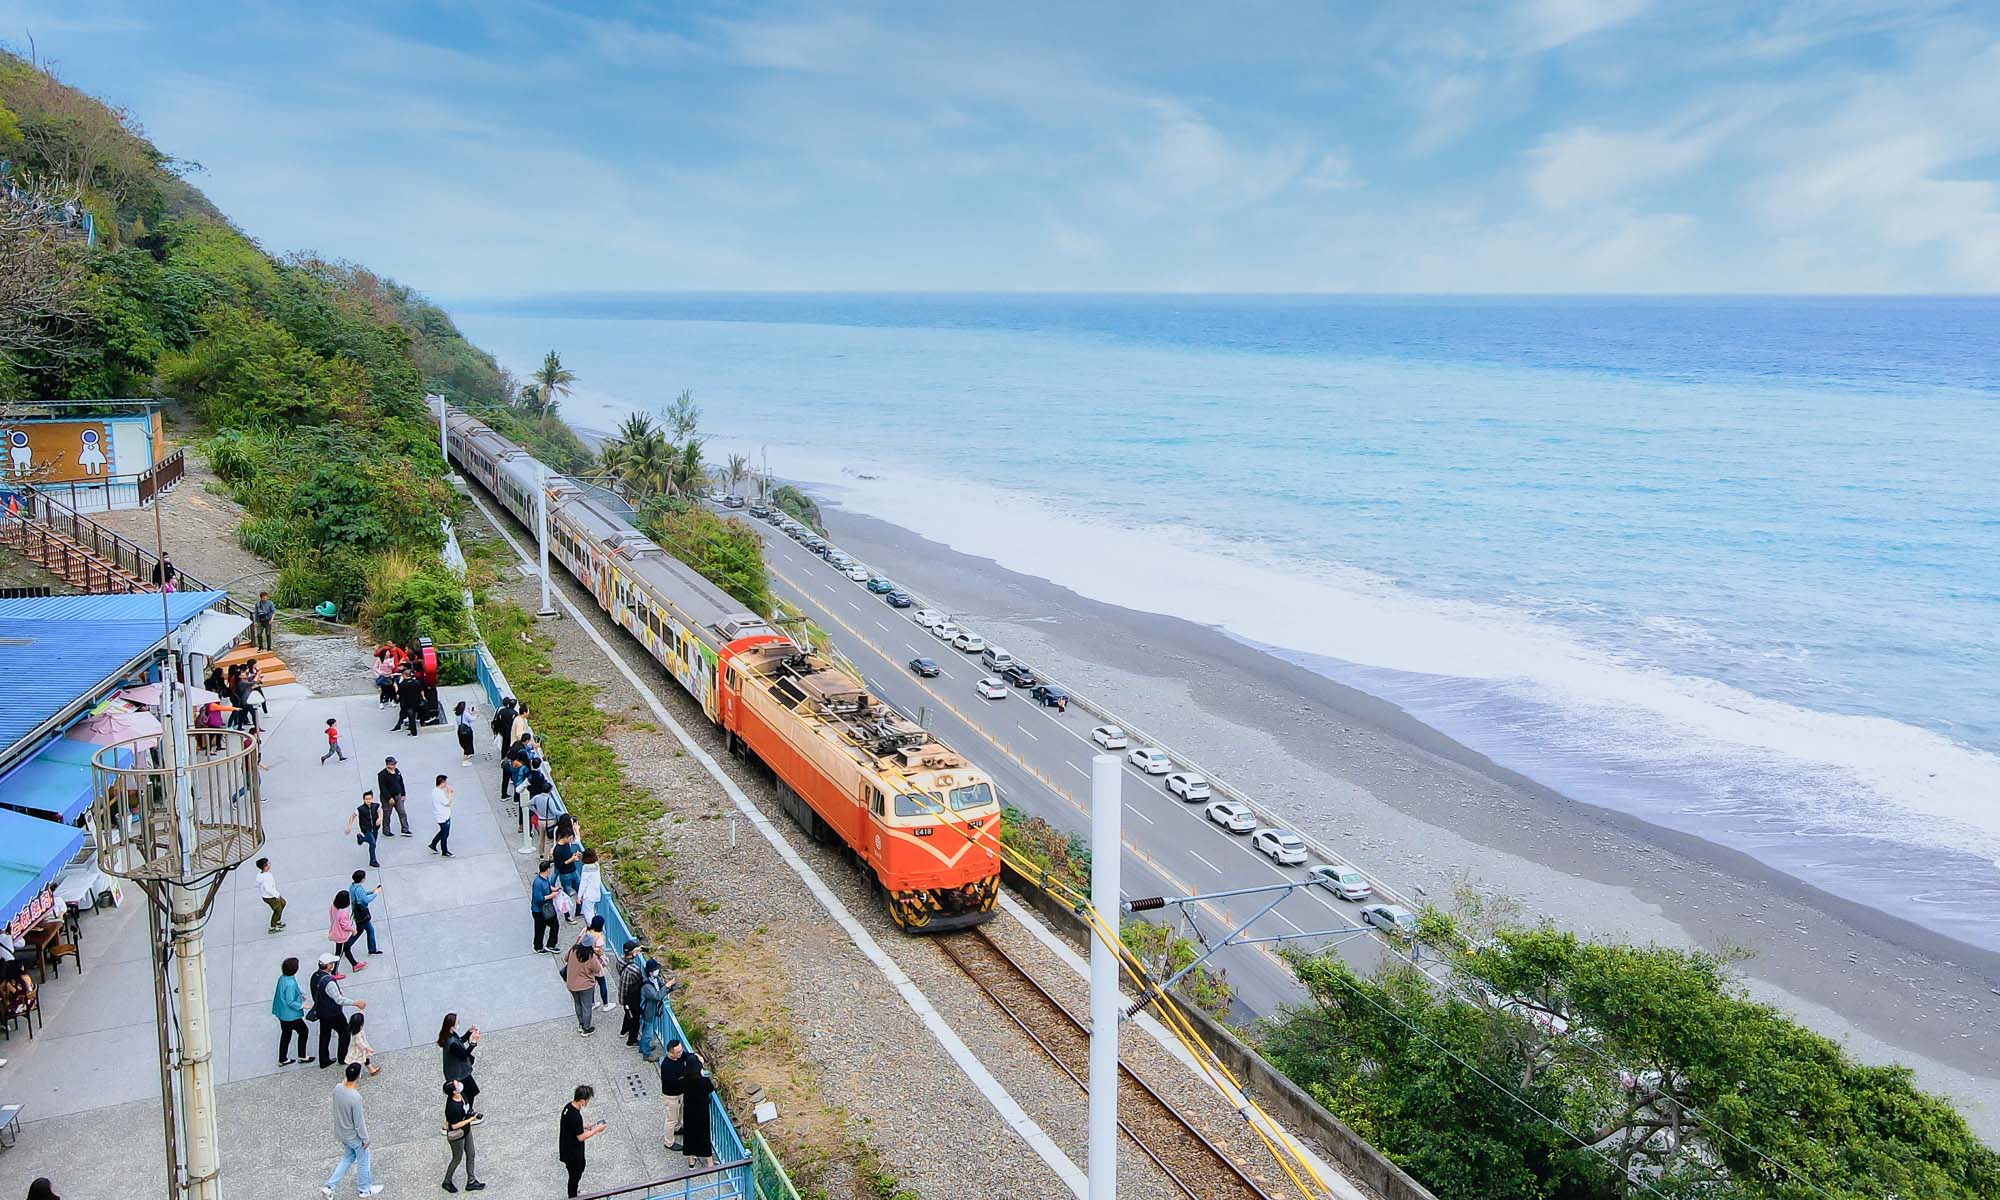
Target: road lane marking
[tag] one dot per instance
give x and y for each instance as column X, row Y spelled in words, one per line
column 1079, row 770
column 1287, row 920
column 879, row 625
column 856, row 607
column 1031, row 737
column 1142, row 816
column 1204, row 862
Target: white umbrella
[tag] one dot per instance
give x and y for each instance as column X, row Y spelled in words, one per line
column 111, row 728
column 152, row 695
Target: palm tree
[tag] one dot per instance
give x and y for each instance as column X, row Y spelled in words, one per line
column 553, row 380
column 734, row 473
column 636, row 426
column 687, row 474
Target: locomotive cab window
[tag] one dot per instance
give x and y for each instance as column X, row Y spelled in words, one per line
column 916, row 805
column 876, row 803
column 972, row 795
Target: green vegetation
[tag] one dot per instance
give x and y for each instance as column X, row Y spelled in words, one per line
column 801, row 507
column 726, row 552
column 1655, row 1059
column 1165, row 952
column 1065, row 857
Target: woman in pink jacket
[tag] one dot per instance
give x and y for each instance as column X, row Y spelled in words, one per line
column 340, row 929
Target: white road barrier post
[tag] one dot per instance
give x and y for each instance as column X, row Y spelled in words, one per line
column 542, row 532
column 1106, row 809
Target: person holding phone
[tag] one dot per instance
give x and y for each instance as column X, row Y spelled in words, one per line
column 458, row 1122
column 458, row 1050
column 574, row 1132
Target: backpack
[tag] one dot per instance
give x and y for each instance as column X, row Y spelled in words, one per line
column 502, row 722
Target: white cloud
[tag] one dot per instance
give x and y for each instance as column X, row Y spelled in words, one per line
column 1586, row 165
column 1546, row 24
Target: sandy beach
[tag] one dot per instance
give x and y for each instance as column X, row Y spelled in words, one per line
column 1425, row 812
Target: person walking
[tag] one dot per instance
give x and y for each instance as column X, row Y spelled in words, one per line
column 574, row 1131
column 164, row 571
column 41, row 1188
column 391, row 788
column 362, row 904
column 696, row 1140
column 340, row 928
column 267, row 887
column 409, row 703
column 350, row 1128
column 458, row 1051
column 329, row 1006
column 589, row 886
column 464, row 714
column 358, row 1049
column 631, row 980
column 333, row 741
column 288, row 1004
column 542, row 902
column 581, row 970
column 458, row 1122
column 365, row 823
column 674, row 1066
column 263, row 615
column 441, row 799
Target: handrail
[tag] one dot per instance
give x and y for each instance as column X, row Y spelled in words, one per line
column 120, row 551
column 685, row 1178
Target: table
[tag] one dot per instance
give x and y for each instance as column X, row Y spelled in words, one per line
column 10, row 1124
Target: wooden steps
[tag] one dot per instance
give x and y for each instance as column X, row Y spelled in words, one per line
column 66, row 560
column 270, row 668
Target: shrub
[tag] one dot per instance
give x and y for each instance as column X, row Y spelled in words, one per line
column 428, row 602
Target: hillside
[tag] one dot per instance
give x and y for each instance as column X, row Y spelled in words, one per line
column 304, row 377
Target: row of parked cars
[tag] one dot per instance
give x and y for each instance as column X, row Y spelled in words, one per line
column 1281, row 846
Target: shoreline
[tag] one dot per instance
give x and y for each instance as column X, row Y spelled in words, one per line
column 1423, row 810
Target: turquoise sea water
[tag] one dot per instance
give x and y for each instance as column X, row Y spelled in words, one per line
column 1732, row 566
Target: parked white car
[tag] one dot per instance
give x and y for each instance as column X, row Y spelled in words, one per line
column 994, row 689
column 1282, row 846
column 1150, row 759
column 927, row 617
column 945, row 630
column 1110, row 737
column 1187, row 786
column 968, row 641
column 1342, row 880
column 858, row 573
column 1236, row 818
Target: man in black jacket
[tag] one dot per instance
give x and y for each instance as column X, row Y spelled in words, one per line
column 410, row 703
column 390, row 790
column 674, row 1070
column 329, row 1005
column 503, row 722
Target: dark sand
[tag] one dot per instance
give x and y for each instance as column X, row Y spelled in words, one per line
column 1424, row 812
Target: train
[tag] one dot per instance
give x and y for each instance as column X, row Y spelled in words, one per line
column 851, row 770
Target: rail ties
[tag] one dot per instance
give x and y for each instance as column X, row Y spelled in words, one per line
column 1199, row 1168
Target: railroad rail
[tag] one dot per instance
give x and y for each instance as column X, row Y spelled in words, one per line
column 1196, row 1166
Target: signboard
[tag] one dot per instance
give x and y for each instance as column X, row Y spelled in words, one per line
column 37, row 911
column 61, row 452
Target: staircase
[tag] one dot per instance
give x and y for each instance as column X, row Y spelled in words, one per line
column 85, row 554
column 270, row 668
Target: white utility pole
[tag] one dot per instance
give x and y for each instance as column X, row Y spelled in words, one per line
column 1106, row 844
column 444, row 447
column 542, row 531
column 194, row 1077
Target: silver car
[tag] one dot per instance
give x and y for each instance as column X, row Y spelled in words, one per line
column 1392, row 919
column 1342, row 880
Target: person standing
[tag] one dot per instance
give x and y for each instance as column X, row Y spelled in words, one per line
column 590, row 886
column 41, row 1188
column 362, row 903
column 329, row 1009
column 521, row 727
column 365, row 823
column 501, row 725
column 350, row 1127
column 568, row 858
column 631, row 981
column 593, row 935
column 441, row 798
column 653, row 1011
column 340, row 928
column 264, row 614
column 574, row 1132
column 464, row 714
column 358, row 1049
column 164, row 571
column 458, row 1053
column 409, row 703
column 458, row 1122
column 542, row 901
column 391, row 788
column 696, row 1140
column 674, row 1067
column 333, row 741
column 580, row 972
column 288, row 1004
column 267, row 887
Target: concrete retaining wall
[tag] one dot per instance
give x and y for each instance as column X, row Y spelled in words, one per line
column 1284, row 1100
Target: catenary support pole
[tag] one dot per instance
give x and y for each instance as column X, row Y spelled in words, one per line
column 444, row 446
column 1106, row 809
column 542, row 532
column 195, row 1076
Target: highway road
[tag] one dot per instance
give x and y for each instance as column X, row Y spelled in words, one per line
column 1040, row 759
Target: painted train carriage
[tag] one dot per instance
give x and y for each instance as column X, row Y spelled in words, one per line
column 850, row 768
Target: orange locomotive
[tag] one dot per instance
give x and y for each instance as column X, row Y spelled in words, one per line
column 850, row 769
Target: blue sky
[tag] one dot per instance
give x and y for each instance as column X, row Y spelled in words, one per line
column 1548, row 145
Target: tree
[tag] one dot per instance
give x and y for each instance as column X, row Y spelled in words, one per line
column 734, row 472
column 552, row 381
column 41, row 283
column 682, row 418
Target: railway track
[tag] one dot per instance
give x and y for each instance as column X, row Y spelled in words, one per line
column 1196, row 1166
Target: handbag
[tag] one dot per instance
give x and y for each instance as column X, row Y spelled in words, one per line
column 454, row 1135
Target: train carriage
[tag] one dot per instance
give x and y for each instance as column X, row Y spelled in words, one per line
column 923, row 820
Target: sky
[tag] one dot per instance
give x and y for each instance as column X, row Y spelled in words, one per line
column 498, row 149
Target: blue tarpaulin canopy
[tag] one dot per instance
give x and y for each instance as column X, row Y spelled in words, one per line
column 57, row 781
column 32, row 852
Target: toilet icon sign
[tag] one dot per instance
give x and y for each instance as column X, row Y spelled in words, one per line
column 91, row 457
column 19, row 456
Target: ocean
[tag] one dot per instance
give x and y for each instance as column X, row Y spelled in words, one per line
column 1730, row 566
